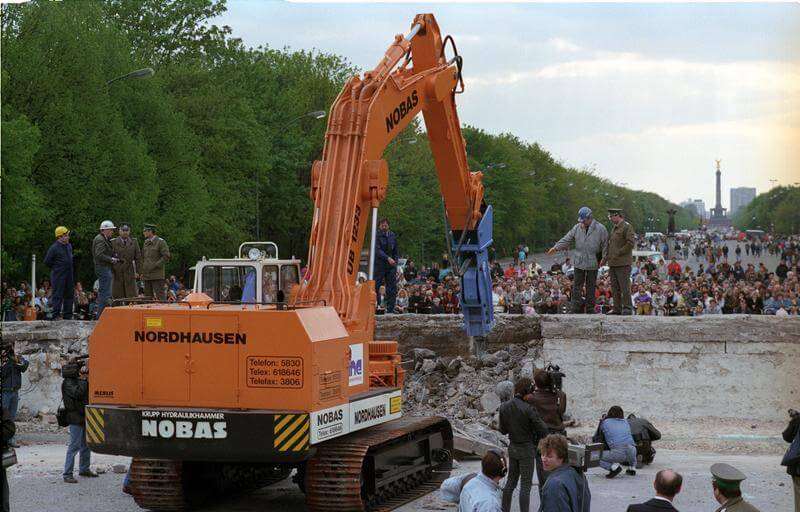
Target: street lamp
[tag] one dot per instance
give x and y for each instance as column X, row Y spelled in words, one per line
column 407, row 140
column 139, row 73
column 496, row 165
column 316, row 114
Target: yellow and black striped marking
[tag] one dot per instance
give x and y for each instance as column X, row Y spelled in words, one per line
column 291, row 432
column 95, row 425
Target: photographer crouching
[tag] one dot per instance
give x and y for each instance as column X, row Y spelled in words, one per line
column 551, row 403
column 525, row 428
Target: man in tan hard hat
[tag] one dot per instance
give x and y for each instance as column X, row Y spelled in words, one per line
column 104, row 261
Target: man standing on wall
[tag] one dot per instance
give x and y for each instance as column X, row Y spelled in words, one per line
column 386, row 263
column 125, row 271
column 59, row 259
column 104, row 261
column 155, row 255
column 591, row 239
column 620, row 258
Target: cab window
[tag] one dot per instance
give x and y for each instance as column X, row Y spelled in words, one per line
column 229, row 284
column 289, row 277
column 269, row 284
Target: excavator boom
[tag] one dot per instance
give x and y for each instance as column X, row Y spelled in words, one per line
column 350, row 181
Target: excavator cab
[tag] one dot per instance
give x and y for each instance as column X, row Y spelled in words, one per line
column 256, row 275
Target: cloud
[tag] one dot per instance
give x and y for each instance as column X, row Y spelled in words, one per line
column 560, row 44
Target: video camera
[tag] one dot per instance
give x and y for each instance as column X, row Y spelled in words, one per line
column 584, row 456
column 556, row 375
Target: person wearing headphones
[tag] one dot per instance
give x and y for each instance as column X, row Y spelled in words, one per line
column 524, row 427
column 479, row 494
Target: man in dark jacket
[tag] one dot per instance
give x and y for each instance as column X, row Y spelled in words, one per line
column 13, row 368
column 644, row 433
column 59, row 259
column 104, row 261
column 566, row 489
column 386, row 263
column 794, row 470
column 551, row 404
column 667, row 485
column 75, row 393
column 9, row 429
column 524, row 427
column 127, row 249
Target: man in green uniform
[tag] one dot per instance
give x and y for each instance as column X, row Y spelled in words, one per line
column 125, row 271
column 726, row 479
column 155, row 255
column 620, row 258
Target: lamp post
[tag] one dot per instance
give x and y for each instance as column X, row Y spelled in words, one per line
column 495, row 165
column 314, row 114
column 139, row 73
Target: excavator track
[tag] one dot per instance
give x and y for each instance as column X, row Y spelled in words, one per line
column 167, row 485
column 368, row 470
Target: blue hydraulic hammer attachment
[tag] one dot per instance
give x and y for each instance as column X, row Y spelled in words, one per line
column 472, row 257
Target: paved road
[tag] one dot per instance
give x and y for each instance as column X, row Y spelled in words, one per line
column 36, row 486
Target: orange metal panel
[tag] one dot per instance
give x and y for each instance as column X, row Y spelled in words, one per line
column 165, row 365
column 214, row 367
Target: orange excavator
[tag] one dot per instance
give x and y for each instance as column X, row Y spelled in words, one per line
column 213, row 397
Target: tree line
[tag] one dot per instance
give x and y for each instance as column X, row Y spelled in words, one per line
column 773, row 211
column 216, row 148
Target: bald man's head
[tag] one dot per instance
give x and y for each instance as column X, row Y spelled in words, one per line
column 668, row 483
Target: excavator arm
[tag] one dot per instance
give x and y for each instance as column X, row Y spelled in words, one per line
column 350, row 181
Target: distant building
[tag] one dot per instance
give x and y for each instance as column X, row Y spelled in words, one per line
column 696, row 205
column 741, row 197
column 719, row 217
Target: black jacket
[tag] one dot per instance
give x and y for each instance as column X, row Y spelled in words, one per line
column 11, row 374
column 641, row 429
column 653, row 505
column 523, row 425
column 75, row 392
column 788, row 436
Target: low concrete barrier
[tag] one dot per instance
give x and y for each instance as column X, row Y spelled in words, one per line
column 727, row 367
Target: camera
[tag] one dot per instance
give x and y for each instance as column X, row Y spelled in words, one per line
column 584, row 456
column 556, row 375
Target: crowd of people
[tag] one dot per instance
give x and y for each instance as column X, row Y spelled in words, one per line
column 123, row 270
column 532, row 416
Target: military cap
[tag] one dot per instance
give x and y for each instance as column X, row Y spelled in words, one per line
column 726, row 476
column 124, row 225
column 612, row 211
column 150, row 227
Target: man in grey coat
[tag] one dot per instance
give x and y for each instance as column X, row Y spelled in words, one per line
column 591, row 240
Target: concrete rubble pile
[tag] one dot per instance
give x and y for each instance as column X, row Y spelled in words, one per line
column 464, row 389
column 46, row 346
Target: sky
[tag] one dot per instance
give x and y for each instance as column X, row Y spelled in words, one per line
column 647, row 95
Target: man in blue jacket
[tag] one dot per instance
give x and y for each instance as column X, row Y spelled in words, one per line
column 386, row 263
column 59, row 259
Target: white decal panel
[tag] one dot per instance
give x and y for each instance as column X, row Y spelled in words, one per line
column 372, row 411
column 343, row 419
column 330, row 423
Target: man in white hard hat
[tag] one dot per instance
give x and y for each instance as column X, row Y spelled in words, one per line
column 104, row 260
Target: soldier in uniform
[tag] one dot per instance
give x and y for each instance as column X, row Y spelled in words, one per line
column 125, row 272
column 155, row 255
column 725, row 481
column 620, row 258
